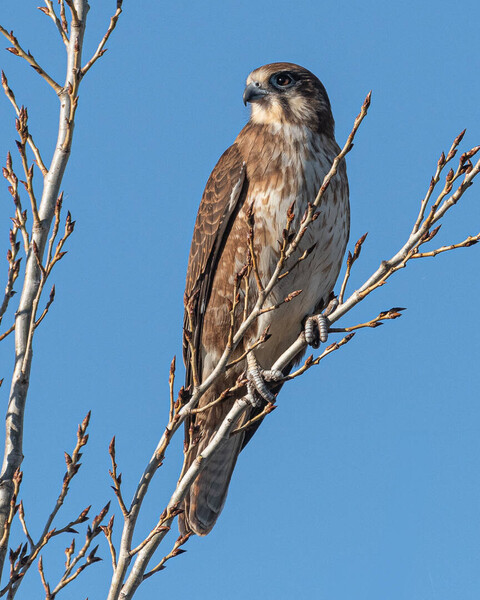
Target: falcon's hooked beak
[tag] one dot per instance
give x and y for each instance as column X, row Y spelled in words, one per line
column 253, row 92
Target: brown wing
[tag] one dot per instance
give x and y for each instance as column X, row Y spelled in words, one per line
column 223, row 196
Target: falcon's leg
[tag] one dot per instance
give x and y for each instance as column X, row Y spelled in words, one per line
column 257, row 378
column 316, row 326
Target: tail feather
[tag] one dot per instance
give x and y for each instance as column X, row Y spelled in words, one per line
column 206, row 498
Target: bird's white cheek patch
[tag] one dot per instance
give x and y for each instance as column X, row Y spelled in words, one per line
column 270, row 113
column 300, row 108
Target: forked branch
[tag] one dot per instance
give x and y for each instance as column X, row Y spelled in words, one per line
column 123, row 585
column 34, row 224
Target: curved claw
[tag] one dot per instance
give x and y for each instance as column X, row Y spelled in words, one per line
column 315, row 335
column 257, row 380
column 271, row 374
column 252, row 397
column 316, row 326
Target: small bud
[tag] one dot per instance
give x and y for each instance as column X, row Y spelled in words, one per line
column 290, row 212
column 368, row 99
column 459, row 137
column 358, row 247
column 292, row 295
column 349, row 259
column 58, row 206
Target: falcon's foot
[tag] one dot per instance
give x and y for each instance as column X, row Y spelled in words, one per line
column 316, row 326
column 257, row 381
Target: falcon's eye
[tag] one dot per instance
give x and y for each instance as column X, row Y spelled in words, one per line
column 282, row 80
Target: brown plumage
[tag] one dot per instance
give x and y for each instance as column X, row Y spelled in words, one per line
column 279, row 157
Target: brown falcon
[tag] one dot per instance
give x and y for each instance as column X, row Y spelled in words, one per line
column 279, row 158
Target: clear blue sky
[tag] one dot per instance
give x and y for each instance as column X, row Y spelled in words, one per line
column 364, row 483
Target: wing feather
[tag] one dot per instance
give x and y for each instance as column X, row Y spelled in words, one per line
column 223, row 196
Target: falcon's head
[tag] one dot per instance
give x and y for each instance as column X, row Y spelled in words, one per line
column 285, row 93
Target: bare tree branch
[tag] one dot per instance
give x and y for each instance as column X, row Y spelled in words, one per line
column 100, row 51
column 44, row 210
column 124, row 591
column 21, row 563
column 11, row 96
column 130, row 563
column 19, row 51
column 421, row 235
column 50, row 12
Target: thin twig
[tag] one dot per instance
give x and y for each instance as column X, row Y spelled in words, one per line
column 21, row 516
column 17, row 480
column 47, row 307
column 251, row 248
column 393, row 313
column 158, row 529
column 171, row 382
column 351, row 258
column 63, row 18
column 20, row 218
column 56, row 224
column 176, row 551
column 92, row 532
column 269, row 407
column 11, row 96
column 311, row 362
column 50, row 12
column 117, row 479
column 442, row 161
column 262, row 339
column 22, row 129
column 107, row 530
column 73, row 10
column 470, row 241
column 19, row 51
column 100, row 51
column 221, row 398
column 46, row 586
